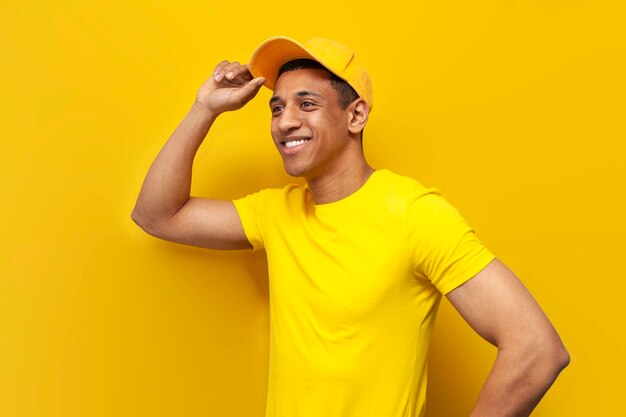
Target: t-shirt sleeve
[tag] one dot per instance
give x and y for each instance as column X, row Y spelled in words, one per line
column 251, row 209
column 446, row 250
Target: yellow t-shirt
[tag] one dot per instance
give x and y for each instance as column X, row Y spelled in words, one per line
column 354, row 290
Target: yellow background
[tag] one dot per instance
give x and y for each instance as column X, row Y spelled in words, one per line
column 514, row 109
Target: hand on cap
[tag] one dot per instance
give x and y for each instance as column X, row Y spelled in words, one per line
column 230, row 87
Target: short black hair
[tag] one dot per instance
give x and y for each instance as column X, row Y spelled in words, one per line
column 345, row 92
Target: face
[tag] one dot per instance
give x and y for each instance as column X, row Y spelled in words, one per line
column 309, row 127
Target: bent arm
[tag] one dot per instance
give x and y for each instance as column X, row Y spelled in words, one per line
column 530, row 352
column 164, row 207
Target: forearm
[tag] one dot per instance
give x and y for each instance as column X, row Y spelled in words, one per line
column 518, row 381
column 167, row 184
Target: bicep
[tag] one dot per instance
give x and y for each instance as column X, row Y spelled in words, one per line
column 498, row 307
column 205, row 222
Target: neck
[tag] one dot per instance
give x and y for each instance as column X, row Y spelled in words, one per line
column 339, row 184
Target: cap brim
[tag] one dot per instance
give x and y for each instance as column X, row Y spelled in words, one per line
column 267, row 59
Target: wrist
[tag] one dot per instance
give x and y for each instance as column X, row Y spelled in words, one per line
column 203, row 112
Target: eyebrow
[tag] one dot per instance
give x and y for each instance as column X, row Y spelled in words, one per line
column 303, row 93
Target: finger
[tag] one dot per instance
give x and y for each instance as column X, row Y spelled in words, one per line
column 221, row 64
column 235, row 71
column 243, row 76
column 218, row 73
column 246, row 74
column 248, row 91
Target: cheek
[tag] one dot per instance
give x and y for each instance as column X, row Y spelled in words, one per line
column 332, row 126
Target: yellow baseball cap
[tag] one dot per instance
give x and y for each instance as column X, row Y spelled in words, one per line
column 267, row 59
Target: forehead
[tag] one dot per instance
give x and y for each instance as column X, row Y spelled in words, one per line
column 305, row 79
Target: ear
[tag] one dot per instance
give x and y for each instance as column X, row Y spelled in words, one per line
column 357, row 116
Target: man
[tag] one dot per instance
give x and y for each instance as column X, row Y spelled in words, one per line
column 358, row 258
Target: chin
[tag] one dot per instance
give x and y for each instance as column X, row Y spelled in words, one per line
column 294, row 171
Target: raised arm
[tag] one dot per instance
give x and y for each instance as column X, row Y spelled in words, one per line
column 164, row 207
column 530, row 352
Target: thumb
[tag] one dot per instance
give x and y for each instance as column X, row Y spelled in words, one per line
column 248, row 91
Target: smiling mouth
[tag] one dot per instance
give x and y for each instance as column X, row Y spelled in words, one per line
column 294, row 143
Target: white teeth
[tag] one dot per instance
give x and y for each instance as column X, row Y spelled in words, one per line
column 293, row 143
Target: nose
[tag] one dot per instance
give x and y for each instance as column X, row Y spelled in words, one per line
column 289, row 119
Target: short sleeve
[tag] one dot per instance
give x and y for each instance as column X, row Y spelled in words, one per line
column 250, row 209
column 445, row 248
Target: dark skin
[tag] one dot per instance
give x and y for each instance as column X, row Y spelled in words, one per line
column 328, row 155
column 324, row 148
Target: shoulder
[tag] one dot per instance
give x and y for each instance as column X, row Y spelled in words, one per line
column 403, row 192
column 402, row 184
column 273, row 197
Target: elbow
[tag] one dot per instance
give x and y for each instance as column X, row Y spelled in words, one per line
column 143, row 221
column 151, row 222
column 554, row 362
column 552, row 357
column 561, row 358
column 555, row 354
column 540, row 359
column 136, row 217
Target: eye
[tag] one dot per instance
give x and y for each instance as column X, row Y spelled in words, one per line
column 276, row 109
column 307, row 104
